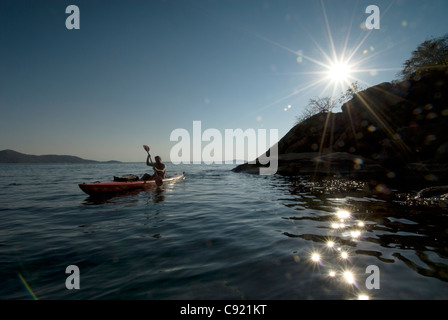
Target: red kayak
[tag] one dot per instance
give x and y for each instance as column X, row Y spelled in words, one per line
column 110, row 187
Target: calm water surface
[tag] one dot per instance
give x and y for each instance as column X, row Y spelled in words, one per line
column 215, row 235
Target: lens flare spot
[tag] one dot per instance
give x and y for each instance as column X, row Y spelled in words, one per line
column 357, row 163
column 430, row 138
column 382, row 188
column 431, row 115
column 390, row 175
column 417, row 111
column 430, row 177
column 299, row 56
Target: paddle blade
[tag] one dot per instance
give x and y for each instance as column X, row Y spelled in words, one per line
column 146, row 147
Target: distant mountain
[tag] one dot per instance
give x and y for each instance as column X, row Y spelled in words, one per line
column 11, row 156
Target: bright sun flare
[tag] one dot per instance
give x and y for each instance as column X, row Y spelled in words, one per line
column 339, row 72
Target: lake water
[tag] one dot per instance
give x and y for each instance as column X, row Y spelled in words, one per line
column 215, row 235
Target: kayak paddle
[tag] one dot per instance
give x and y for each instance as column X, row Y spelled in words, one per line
column 147, row 150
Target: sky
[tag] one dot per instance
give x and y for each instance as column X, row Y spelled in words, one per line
column 135, row 71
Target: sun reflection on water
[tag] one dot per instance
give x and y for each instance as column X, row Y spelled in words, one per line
column 336, row 262
column 315, row 257
column 355, row 234
column 343, row 214
column 344, row 255
column 349, row 277
column 352, row 227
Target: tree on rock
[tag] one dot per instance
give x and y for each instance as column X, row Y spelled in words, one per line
column 326, row 104
column 430, row 55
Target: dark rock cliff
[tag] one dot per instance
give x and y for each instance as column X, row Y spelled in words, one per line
column 388, row 131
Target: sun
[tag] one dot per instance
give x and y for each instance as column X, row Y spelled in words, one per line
column 339, row 72
column 337, row 68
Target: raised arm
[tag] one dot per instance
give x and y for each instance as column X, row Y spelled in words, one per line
column 149, row 161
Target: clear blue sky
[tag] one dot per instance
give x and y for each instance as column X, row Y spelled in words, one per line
column 137, row 70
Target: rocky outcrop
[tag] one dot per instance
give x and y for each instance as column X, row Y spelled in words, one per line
column 389, row 131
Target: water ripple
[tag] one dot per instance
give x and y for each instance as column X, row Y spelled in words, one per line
column 216, row 235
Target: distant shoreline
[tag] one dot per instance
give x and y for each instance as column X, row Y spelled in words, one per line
column 11, row 156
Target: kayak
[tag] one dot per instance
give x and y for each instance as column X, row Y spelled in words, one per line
column 111, row 187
